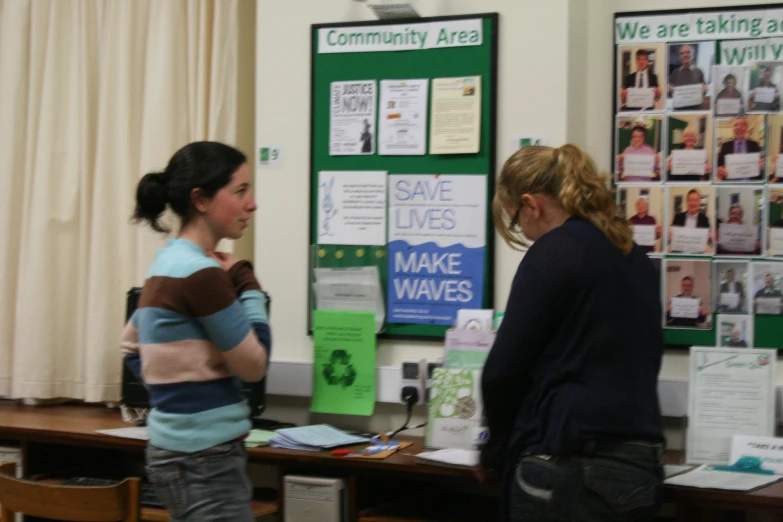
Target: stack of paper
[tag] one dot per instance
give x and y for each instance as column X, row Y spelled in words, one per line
column 450, row 458
column 313, row 438
column 709, row 477
column 259, row 438
column 127, row 433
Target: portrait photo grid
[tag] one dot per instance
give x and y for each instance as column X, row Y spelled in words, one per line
column 698, row 174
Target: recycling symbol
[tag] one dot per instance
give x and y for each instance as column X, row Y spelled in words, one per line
column 339, row 371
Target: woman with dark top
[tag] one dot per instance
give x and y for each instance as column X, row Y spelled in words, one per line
column 729, row 91
column 570, row 385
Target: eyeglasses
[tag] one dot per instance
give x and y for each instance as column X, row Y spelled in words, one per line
column 513, row 225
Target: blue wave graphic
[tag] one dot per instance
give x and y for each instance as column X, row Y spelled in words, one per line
column 427, row 284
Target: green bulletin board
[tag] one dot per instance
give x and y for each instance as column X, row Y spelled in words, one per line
column 426, row 63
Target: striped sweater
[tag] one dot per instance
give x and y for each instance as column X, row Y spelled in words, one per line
column 198, row 330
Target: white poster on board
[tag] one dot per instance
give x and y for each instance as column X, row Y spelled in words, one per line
column 352, row 208
column 352, row 118
column 402, row 125
column 437, row 246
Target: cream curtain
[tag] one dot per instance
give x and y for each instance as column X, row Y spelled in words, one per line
column 93, row 94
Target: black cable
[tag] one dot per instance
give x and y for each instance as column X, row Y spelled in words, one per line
column 405, row 426
column 407, row 420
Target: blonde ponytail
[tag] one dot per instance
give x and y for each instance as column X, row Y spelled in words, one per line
column 584, row 194
column 567, row 175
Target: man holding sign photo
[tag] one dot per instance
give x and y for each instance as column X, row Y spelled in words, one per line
column 738, row 157
column 640, row 89
column 686, row 83
column 690, row 230
column 686, row 310
column 768, row 300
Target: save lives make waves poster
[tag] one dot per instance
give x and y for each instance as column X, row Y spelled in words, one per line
column 437, row 246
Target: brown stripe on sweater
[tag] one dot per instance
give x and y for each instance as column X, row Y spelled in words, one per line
column 243, row 278
column 200, row 294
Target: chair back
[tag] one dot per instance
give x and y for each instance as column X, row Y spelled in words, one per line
column 68, row 503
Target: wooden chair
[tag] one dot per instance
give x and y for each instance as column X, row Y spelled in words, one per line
column 69, row 503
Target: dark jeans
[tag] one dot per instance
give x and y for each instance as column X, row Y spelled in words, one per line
column 206, row 486
column 620, row 482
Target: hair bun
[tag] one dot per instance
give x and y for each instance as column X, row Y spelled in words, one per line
column 151, row 199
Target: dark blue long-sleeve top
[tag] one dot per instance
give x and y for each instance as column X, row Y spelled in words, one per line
column 578, row 353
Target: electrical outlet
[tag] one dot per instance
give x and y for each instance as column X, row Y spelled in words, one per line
column 413, row 375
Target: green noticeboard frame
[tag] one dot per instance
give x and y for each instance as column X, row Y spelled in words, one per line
column 478, row 60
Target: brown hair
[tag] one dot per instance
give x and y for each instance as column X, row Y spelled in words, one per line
column 569, row 176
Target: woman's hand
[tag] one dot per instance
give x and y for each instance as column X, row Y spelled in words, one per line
column 225, row 259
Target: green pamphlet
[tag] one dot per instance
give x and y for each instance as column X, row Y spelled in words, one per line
column 344, row 362
column 455, row 410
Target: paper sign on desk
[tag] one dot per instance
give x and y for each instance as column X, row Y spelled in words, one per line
column 127, row 433
column 731, row 392
column 344, row 362
column 769, row 450
column 709, row 477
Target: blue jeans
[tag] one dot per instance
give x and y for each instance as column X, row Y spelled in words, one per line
column 620, row 482
column 206, row 486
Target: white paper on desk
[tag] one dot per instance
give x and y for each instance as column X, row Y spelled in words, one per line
column 317, row 436
column 640, row 98
column 688, row 162
column 764, row 95
column 644, row 235
column 743, row 166
column 687, row 95
column 450, row 457
column 738, row 238
column 731, row 392
column 689, row 240
column 127, row 433
column 768, row 305
column 728, row 106
column 685, row 307
column 641, row 165
column 767, row 449
column 776, row 241
column 708, row 477
column 669, row 470
column 355, row 289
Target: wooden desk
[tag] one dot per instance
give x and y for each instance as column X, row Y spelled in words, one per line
column 60, row 436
